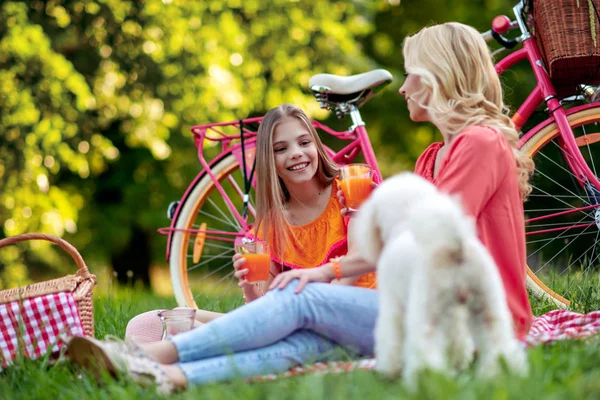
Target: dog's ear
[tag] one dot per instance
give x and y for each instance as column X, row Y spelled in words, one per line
column 364, row 232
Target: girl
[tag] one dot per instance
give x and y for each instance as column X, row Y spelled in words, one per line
column 450, row 82
column 296, row 212
column 296, row 206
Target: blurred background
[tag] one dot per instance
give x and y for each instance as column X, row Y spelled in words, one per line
column 97, row 98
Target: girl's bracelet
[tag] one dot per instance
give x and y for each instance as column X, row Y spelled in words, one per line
column 337, row 271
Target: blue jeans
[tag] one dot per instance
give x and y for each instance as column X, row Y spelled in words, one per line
column 278, row 331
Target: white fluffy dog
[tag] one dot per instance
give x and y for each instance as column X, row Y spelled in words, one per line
column 441, row 295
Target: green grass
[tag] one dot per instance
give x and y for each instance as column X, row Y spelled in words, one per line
column 559, row 371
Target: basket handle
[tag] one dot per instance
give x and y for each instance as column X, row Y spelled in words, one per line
column 66, row 246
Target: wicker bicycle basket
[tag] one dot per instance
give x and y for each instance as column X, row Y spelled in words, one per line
column 568, row 32
column 80, row 284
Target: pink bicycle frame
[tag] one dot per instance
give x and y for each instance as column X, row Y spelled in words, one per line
column 544, row 91
column 359, row 142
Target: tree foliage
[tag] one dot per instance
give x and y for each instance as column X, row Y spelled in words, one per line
column 97, row 98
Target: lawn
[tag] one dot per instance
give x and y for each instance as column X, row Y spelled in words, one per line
column 563, row 370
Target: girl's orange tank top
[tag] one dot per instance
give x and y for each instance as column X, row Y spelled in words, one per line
column 313, row 244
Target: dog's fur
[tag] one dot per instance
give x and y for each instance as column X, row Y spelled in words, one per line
column 441, row 295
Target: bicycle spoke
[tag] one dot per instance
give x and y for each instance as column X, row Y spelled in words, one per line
column 557, row 196
column 556, row 255
column 583, row 254
column 564, row 237
column 233, row 222
column 226, row 222
column 558, row 184
column 210, row 259
column 225, row 277
column 212, row 245
column 556, row 237
column 212, row 272
column 223, row 294
column 585, row 271
column 555, row 163
column 549, row 210
column 556, row 224
column 240, row 193
column 591, row 263
column 564, row 202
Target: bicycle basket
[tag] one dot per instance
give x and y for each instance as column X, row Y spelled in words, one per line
column 568, row 33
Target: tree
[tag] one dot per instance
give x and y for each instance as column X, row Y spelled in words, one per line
column 97, row 98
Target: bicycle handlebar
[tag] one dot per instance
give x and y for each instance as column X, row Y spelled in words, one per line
column 490, row 35
column 504, row 42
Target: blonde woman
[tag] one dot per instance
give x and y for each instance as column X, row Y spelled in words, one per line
column 296, row 211
column 451, row 83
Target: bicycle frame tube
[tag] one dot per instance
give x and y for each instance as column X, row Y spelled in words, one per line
column 570, row 149
column 220, row 189
column 534, row 99
column 531, row 133
column 358, row 139
column 172, row 228
column 544, row 91
column 367, row 150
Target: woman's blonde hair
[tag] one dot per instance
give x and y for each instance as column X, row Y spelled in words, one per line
column 271, row 192
column 458, row 77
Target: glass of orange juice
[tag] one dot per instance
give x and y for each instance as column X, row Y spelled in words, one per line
column 258, row 260
column 355, row 182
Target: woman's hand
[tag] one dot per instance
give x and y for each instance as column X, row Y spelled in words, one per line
column 319, row 274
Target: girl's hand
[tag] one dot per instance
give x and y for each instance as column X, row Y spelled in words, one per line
column 345, row 211
column 342, row 200
column 240, row 271
column 320, row 274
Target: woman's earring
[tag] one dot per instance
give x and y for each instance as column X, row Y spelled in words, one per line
column 451, row 103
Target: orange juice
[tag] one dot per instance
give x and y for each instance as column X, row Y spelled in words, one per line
column 258, row 266
column 356, row 190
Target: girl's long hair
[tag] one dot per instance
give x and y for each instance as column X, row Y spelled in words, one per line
column 271, row 192
column 458, row 77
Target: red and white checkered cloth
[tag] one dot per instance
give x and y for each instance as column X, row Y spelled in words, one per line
column 562, row 324
column 550, row 327
column 33, row 326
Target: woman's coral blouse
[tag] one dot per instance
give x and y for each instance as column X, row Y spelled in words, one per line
column 315, row 243
column 480, row 168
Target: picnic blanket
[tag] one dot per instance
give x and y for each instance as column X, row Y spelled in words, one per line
column 550, row 327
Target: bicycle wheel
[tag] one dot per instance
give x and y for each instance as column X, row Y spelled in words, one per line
column 562, row 217
column 200, row 263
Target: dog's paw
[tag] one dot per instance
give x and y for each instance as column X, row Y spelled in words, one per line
column 517, row 363
column 389, row 366
column 513, row 362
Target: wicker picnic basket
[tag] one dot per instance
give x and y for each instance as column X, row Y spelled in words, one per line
column 80, row 284
column 568, row 32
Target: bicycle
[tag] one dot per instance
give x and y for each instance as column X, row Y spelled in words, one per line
column 224, row 186
column 207, row 222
